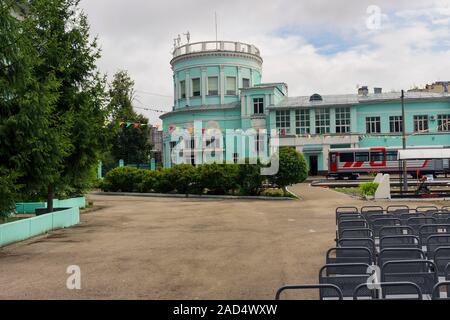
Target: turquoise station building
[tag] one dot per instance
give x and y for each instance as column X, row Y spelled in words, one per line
column 219, row 83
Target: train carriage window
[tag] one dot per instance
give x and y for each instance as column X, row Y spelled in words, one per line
column 377, row 156
column 391, row 156
column 347, row 157
column 361, row 156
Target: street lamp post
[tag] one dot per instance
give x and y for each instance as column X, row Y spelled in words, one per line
column 405, row 172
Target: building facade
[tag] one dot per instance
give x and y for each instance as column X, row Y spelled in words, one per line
column 219, row 84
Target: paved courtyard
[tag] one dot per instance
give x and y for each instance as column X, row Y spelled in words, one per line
column 164, row 248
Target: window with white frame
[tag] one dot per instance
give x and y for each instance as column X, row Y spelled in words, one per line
column 342, row 120
column 373, row 125
column 283, row 121
column 196, row 87
column 245, row 83
column 302, row 122
column 395, row 124
column 443, row 122
column 258, row 105
column 231, row 86
column 183, row 89
column 213, row 86
column 259, row 143
column 322, row 120
column 420, row 123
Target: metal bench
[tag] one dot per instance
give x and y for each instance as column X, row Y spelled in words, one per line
column 404, row 291
column 330, row 288
column 407, row 241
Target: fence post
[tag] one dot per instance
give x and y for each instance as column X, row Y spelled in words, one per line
column 152, row 164
column 121, row 164
column 99, row 169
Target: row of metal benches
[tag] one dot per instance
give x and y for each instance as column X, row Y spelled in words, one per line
column 392, row 253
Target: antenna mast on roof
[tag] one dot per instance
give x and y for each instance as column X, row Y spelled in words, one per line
column 215, row 19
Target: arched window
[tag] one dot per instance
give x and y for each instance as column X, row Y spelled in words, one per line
column 315, row 97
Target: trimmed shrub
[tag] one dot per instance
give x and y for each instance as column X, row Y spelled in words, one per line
column 185, row 178
column 163, row 182
column 292, row 169
column 368, row 188
column 218, row 178
column 149, row 181
column 249, row 179
column 122, row 179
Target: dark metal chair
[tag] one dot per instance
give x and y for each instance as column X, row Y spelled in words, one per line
column 404, row 291
column 398, row 209
column 358, row 242
column 425, row 277
column 432, row 229
column 374, row 209
column 426, row 208
column 396, row 231
column 378, row 224
column 418, row 222
column 436, row 241
column 331, row 290
column 442, row 259
column 356, row 233
column 441, row 217
column 346, row 276
column 437, row 291
column 407, row 241
column 400, row 254
column 349, row 255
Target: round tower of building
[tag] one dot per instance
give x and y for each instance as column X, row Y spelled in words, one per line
column 212, row 72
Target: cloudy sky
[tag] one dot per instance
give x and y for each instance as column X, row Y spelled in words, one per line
column 324, row 46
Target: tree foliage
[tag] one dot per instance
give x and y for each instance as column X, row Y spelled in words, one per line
column 292, row 168
column 129, row 143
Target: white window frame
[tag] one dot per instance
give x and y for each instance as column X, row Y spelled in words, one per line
column 234, row 92
column 199, row 85
column 343, row 120
column 283, row 120
column 373, row 125
column 322, row 120
column 443, row 122
column 302, row 121
column 258, row 105
column 208, row 90
column 395, row 124
column 421, row 123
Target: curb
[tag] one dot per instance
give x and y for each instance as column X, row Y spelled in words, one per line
column 190, row 196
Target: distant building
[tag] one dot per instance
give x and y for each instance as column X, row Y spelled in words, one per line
column 156, row 140
column 437, row 87
column 220, row 85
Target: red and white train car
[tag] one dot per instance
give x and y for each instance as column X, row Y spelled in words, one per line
column 352, row 162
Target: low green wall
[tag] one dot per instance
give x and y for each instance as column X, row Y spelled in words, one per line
column 31, row 227
column 29, row 207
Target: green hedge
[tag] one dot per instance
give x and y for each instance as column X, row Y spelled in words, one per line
column 368, row 188
column 184, row 179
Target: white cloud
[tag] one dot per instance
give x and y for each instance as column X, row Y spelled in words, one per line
column 411, row 48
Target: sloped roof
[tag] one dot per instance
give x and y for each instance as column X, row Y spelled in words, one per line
column 351, row 99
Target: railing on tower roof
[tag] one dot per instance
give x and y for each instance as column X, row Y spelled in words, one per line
column 206, row 46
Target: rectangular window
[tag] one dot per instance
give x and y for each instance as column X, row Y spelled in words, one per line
column 420, row 123
column 302, row 123
column 361, row 156
column 347, row 157
column 259, row 143
column 373, row 125
column 283, row 121
column 322, row 121
column 395, row 124
column 258, row 105
column 196, row 87
column 245, row 83
column 377, row 156
column 213, row 86
column 231, row 86
column 444, row 122
column 342, row 120
column 183, row 89
column 391, row 156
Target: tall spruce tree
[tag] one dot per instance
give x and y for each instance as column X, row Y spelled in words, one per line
column 66, row 52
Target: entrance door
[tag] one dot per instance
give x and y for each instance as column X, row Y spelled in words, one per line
column 313, row 165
